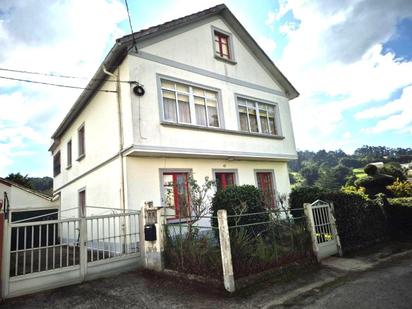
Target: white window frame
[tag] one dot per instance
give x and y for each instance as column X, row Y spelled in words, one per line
column 256, row 103
column 192, row 108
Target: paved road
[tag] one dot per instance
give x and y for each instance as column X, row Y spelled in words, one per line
column 389, row 286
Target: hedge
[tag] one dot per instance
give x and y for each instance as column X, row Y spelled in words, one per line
column 399, row 212
column 360, row 221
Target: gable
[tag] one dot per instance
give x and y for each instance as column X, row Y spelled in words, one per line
column 193, row 46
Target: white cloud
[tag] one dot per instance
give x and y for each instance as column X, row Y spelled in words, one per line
column 397, row 114
column 67, row 37
column 336, row 52
column 267, row 44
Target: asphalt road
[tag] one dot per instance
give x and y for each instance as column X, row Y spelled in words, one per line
column 389, row 286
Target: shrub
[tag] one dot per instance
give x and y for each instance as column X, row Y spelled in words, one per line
column 374, row 183
column 245, row 199
column 401, row 188
column 399, row 212
column 360, row 221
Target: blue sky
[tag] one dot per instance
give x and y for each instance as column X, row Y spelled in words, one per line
column 351, row 60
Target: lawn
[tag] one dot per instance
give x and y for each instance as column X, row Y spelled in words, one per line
column 359, row 173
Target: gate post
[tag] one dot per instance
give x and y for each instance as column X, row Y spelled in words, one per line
column 83, row 247
column 334, row 228
column 5, row 265
column 153, row 250
column 311, row 227
column 228, row 276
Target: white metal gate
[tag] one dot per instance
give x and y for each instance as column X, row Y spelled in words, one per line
column 324, row 234
column 47, row 254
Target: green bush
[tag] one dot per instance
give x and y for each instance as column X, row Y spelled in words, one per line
column 360, row 221
column 399, row 211
column 245, row 199
column 401, row 188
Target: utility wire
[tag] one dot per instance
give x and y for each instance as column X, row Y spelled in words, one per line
column 61, row 76
column 130, row 24
column 53, row 84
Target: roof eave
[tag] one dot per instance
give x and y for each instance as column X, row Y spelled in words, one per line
column 112, row 60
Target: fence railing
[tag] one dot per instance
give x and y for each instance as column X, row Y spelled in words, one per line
column 256, row 242
column 42, row 246
column 36, row 246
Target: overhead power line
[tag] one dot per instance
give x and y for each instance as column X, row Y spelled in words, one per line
column 61, row 75
column 130, row 24
column 54, row 84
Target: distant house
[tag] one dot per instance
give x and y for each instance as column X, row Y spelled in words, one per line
column 195, row 95
column 23, row 202
column 378, row 164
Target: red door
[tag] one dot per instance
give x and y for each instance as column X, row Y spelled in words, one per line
column 265, row 184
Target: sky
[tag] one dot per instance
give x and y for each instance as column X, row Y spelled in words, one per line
column 351, row 61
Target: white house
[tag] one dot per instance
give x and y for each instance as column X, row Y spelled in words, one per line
column 193, row 95
column 23, row 202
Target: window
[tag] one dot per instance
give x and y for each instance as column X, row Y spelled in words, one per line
column 69, row 154
column 81, row 133
column 188, row 104
column 56, row 164
column 176, row 193
column 82, row 202
column 224, row 180
column 222, row 45
column 265, row 184
column 257, row 117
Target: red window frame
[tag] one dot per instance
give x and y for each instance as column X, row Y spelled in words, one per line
column 265, row 184
column 219, row 38
column 176, row 193
column 222, row 180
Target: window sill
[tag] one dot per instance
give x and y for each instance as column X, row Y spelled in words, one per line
column 230, row 61
column 220, row 130
column 81, row 157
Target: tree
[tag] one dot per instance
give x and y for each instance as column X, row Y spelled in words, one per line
column 20, row 180
column 333, row 178
column 351, row 162
column 311, row 173
column 394, row 169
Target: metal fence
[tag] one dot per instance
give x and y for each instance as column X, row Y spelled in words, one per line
column 44, row 254
column 192, row 247
column 267, row 240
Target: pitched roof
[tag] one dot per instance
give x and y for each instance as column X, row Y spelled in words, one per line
column 123, row 45
column 11, row 183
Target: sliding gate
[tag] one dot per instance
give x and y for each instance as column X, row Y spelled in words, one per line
column 47, row 254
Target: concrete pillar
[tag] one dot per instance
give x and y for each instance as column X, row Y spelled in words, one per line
column 228, row 277
column 334, row 228
column 311, row 227
column 153, row 250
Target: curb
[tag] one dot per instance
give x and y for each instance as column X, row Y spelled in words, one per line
column 391, row 257
column 295, row 293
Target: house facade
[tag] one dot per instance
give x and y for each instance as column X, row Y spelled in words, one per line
column 194, row 96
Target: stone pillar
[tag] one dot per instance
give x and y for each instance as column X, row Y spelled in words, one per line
column 153, row 250
column 311, row 227
column 228, row 277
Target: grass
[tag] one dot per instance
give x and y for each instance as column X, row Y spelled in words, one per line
column 359, row 173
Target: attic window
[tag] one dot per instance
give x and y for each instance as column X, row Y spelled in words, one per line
column 223, row 45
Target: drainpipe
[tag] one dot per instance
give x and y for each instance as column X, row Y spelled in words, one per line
column 121, row 137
